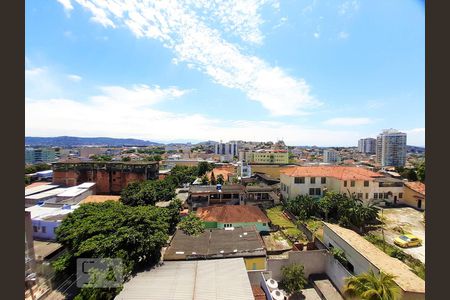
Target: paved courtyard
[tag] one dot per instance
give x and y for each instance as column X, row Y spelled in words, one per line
column 411, row 221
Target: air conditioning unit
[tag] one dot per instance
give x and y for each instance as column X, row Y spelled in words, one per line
column 277, row 295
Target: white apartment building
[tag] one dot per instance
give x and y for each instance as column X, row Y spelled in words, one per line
column 244, row 170
column 367, row 145
column 265, row 156
column 331, row 156
column 314, row 180
column 227, row 151
column 391, row 148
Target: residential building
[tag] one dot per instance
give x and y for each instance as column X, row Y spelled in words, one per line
column 207, row 195
column 86, row 152
column 227, row 172
column 61, row 195
column 262, row 195
column 41, row 155
column 200, row 279
column 391, row 148
column 244, row 170
column 110, row 177
column 265, row 156
column 314, row 180
column 46, row 218
column 331, row 156
column 363, row 256
column 414, row 194
column 232, row 216
column 367, row 145
column 242, row 242
column 227, row 151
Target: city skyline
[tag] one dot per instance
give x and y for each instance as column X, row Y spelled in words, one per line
column 309, row 72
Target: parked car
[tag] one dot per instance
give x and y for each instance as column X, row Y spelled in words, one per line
column 407, row 240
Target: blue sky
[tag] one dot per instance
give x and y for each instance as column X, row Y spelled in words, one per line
column 310, row 72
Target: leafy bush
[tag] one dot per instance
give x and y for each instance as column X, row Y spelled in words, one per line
column 191, row 225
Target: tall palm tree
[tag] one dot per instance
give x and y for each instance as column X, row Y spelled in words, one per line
column 371, row 286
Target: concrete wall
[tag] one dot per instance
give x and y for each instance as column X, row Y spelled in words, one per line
column 359, row 262
column 314, row 262
column 336, row 272
column 259, row 226
column 255, row 263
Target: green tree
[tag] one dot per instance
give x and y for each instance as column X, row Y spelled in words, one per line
column 421, row 171
column 191, row 225
column 371, row 286
column 126, row 158
column 202, row 168
column 213, row 179
column 411, row 175
column 302, row 206
column 326, row 204
column 148, row 192
column 204, row 180
column 113, row 230
column 101, row 157
column 293, row 278
column 220, row 179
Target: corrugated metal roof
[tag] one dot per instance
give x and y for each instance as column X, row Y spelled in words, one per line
column 40, row 188
column 201, row 280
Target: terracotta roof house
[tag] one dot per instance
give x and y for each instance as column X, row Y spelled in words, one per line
column 230, row 216
column 414, row 194
column 315, row 180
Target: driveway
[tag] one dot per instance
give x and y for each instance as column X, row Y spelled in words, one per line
column 411, row 221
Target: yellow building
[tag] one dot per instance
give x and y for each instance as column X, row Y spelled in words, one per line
column 255, row 263
column 414, row 194
column 264, row 156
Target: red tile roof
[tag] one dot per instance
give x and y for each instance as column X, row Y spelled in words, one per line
column 339, row 172
column 232, row 214
column 38, row 183
column 416, row 186
column 258, row 292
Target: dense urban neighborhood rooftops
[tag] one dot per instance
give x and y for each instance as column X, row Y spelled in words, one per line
column 404, row 277
column 99, row 198
column 228, row 188
column 232, row 214
column 338, row 172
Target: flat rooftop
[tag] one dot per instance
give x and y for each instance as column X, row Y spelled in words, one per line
column 224, row 279
column 216, row 243
column 43, row 249
column 212, row 189
column 404, row 277
column 99, row 198
column 39, row 187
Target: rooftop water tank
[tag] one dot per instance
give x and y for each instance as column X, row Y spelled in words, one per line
column 277, row 295
column 272, row 284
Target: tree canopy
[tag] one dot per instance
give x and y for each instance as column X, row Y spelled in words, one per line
column 113, row 230
column 293, row 278
column 148, row 192
column 371, row 286
column 191, row 225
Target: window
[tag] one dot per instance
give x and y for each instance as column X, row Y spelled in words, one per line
column 367, row 195
column 360, row 195
column 380, row 195
column 44, row 230
column 264, row 224
column 366, row 183
column 386, row 195
column 227, row 225
column 311, row 191
column 345, row 183
column 400, row 195
column 35, row 229
column 313, row 180
column 299, row 180
column 375, row 196
column 352, row 183
column 350, row 267
column 323, row 180
column 318, row 191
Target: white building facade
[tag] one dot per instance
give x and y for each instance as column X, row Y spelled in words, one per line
column 315, row 180
column 367, row 145
column 391, row 148
column 331, row 156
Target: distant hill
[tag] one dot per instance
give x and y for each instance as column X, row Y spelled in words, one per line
column 72, row 141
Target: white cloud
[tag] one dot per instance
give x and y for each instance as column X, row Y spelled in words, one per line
column 343, row 35
column 109, row 114
column 66, row 4
column 348, row 7
column 179, row 27
column 316, row 35
column 74, row 78
column 348, row 121
column 415, row 136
